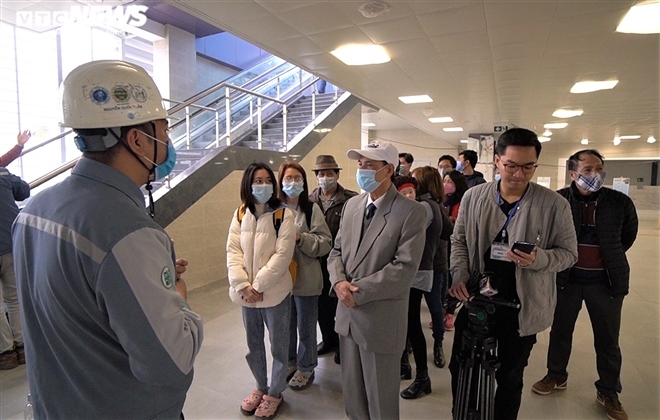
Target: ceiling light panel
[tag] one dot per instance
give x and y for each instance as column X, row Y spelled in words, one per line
column 555, row 126
column 436, row 120
column 361, row 55
column 452, row 129
column 641, row 19
column 593, row 86
column 567, row 113
column 415, row 99
column 629, row 137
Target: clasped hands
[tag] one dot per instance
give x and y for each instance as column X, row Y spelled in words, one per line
column 250, row 295
column 344, row 291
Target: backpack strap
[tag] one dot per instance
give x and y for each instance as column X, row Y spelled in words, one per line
column 278, row 216
column 240, row 213
column 308, row 214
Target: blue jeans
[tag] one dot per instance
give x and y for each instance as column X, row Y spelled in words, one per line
column 276, row 319
column 434, row 300
column 304, row 313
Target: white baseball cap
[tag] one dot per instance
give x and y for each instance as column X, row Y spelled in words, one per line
column 376, row 150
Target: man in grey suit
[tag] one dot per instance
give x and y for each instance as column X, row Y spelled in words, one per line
column 375, row 256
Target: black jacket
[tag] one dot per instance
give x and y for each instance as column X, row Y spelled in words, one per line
column 616, row 226
column 475, row 179
column 333, row 213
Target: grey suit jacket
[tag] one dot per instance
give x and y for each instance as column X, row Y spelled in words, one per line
column 382, row 265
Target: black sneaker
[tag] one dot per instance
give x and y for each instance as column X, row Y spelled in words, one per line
column 8, row 360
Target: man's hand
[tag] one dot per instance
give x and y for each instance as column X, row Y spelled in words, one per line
column 23, row 137
column 521, row 259
column 344, row 291
column 181, row 264
column 182, row 288
column 249, row 295
column 459, row 291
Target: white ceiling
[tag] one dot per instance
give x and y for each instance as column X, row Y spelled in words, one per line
column 484, row 62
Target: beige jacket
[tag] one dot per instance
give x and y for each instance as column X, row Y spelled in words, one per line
column 543, row 217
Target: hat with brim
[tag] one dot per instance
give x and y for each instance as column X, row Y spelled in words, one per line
column 375, row 150
column 324, row 162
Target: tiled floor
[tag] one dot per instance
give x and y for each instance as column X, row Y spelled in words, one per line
column 222, row 377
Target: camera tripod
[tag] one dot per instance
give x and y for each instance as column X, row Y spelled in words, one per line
column 475, row 398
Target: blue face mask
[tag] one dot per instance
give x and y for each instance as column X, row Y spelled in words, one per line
column 366, row 179
column 498, row 177
column 459, row 166
column 262, row 192
column 165, row 168
column 292, row 189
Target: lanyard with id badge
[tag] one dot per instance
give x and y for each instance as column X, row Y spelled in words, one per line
column 498, row 250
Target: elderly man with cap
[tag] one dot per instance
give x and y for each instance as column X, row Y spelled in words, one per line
column 331, row 197
column 108, row 331
column 372, row 264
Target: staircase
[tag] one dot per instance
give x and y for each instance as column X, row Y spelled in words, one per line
column 299, row 116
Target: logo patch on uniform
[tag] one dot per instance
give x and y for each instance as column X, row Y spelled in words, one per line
column 166, row 277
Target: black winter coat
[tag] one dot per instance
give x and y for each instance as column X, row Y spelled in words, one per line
column 616, row 226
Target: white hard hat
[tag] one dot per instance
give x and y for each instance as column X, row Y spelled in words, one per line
column 110, row 93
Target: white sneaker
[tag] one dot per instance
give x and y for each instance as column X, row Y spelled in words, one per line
column 301, row 380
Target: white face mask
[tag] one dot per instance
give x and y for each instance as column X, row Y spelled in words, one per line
column 327, row 183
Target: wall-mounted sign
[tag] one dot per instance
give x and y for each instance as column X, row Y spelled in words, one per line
column 500, row 128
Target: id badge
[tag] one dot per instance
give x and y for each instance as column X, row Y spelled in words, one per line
column 498, row 251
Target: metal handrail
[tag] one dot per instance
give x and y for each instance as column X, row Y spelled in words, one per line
column 40, row 145
column 191, row 103
column 52, row 174
column 170, row 111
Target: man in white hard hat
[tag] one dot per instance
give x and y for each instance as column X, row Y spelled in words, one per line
column 108, row 332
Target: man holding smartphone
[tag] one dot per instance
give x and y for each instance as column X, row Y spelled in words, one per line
column 600, row 278
column 492, row 218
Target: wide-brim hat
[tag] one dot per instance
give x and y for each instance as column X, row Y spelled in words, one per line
column 324, row 162
column 376, row 150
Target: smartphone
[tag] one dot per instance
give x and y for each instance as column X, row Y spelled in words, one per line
column 526, row 247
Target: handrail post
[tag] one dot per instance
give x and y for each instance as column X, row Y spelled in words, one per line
column 259, row 128
column 284, row 128
column 251, row 110
column 228, row 116
column 187, row 127
column 279, row 90
column 217, row 128
column 314, row 102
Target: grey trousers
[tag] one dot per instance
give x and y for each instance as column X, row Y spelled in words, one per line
column 370, row 382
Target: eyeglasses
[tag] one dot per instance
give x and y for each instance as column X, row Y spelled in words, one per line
column 293, row 178
column 527, row 169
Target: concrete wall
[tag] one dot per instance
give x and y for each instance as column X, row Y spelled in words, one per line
column 200, row 234
column 210, row 73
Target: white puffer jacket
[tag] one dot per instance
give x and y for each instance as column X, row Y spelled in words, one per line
column 258, row 256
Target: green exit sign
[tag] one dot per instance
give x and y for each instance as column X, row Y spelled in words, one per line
column 500, row 128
